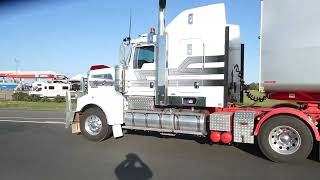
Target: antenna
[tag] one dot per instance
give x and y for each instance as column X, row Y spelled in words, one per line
column 130, row 26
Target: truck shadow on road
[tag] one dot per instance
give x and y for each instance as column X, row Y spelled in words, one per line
column 133, row 168
column 248, row 148
column 252, row 149
column 200, row 140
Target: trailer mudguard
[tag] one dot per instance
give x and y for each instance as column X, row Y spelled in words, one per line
column 289, row 111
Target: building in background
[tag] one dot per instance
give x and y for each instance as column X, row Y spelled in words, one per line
column 11, row 79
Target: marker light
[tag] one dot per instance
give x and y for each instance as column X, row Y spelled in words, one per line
column 95, row 67
column 152, row 30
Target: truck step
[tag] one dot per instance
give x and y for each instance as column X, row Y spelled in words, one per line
column 168, row 134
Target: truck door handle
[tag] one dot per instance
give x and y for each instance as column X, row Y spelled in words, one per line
column 151, row 84
column 196, row 85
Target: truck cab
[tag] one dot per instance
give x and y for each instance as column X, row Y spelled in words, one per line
column 167, row 80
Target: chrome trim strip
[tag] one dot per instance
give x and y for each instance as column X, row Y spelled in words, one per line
column 196, row 71
column 183, row 82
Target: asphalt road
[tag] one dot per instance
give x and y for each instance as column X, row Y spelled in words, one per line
column 35, row 145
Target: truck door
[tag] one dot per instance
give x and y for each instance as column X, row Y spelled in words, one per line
column 190, row 70
column 140, row 75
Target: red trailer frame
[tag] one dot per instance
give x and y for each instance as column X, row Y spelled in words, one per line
column 309, row 113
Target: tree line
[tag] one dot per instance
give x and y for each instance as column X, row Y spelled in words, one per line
column 253, row 86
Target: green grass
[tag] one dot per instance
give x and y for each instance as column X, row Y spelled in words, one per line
column 32, row 105
column 266, row 103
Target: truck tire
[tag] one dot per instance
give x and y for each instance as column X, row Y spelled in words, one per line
column 285, row 138
column 94, row 125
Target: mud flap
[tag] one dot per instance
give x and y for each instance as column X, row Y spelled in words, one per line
column 315, row 153
column 318, row 151
column 117, row 131
column 75, row 127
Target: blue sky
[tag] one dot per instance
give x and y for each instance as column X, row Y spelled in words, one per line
column 71, row 35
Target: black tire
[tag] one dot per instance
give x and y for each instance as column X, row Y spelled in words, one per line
column 106, row 130
column 303, row 130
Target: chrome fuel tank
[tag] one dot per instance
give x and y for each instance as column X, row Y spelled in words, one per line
column 168, row 121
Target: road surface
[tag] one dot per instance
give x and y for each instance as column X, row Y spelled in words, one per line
column 35, row 145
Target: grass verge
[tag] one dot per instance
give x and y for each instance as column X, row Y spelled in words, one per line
column 32, row 105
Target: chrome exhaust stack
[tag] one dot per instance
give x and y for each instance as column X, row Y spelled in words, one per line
column 161, row 83
column 161, row 24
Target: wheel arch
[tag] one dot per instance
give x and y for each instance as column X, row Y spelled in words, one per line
column 88, row 106
column 291, row 112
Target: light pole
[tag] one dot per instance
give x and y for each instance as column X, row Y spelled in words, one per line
column 17, row 65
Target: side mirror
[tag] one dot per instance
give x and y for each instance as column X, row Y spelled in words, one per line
column 122, row 55
column 162, row 4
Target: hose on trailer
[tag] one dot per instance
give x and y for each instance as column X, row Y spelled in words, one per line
column 255, row 98
column 246, row 87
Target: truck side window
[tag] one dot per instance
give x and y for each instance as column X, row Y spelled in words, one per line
column 143, row 55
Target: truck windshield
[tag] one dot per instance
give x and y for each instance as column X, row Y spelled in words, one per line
column 102, row 76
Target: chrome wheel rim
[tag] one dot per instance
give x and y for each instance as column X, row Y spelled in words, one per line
column 93, row 125
column 284, row 140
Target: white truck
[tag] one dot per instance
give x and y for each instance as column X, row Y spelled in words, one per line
column 188, row 78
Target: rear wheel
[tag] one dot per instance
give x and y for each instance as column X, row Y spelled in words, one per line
column 285, row 138
column 94, row 126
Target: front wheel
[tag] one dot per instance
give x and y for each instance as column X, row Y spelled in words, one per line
column 94, row 126
column 285, row 138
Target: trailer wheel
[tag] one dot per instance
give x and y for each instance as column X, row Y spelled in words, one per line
column 285, row 138
column 94, row 126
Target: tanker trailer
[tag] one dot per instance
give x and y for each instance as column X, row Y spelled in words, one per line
column 290, row 46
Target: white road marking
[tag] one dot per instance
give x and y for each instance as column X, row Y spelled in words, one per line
column 30, row 118
column 36, row 122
